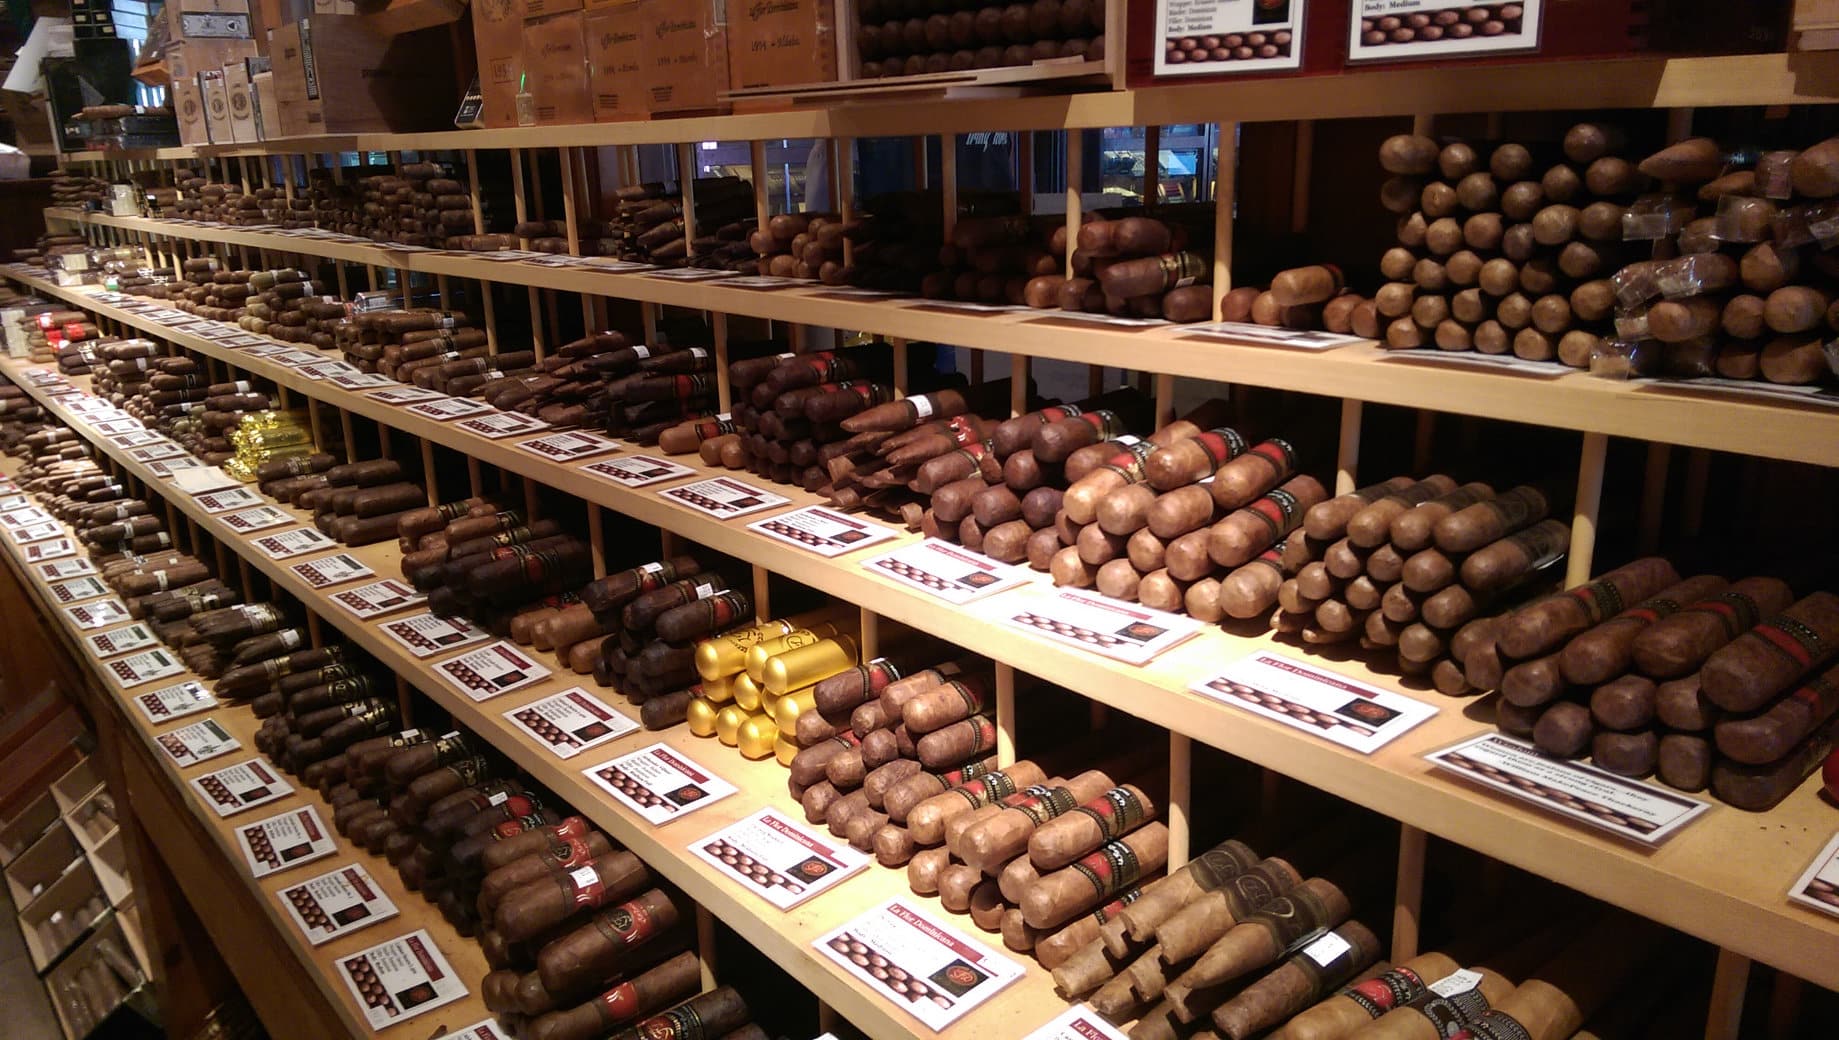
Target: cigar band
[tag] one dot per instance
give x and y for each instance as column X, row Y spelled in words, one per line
column 1222, row 444
column 567, row 853
column 1277, row 510
column 583, row 887
column 1058, row 412
column 1451, row 1015
column 1116, row 811
column 407, row 738
column 1113, row 908
column 920, row 406
column 985, row 789
column 1110, row 868
column 469, row 770
column 1129, row 462
column 1496, row 1025
column 1794, row 638
column 1600, row 597
column 1654, row 609
column 1816, row 691
column 625, row 923
column 1047, row 804
column 973, row 700
column 1222, row 863
column 970, row 771
column 1383, row 992
column 1735, row 611
column 1180, row 270
column 1273, row 557
column 679, row 1023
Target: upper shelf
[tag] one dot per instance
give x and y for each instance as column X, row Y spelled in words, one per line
column 1667, row 412
column 1655, row 82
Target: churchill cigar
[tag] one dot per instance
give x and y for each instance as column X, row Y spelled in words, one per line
column 532, row 866
column 1771, row 735
column 657, row 987
column 706, row 1016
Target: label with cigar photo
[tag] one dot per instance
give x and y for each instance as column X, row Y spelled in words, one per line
column 261, row 518
column 198, row 742
column 245, row 785
column 97, row 613
column 136, row 439
column 428, row 634
column 121, row 640
column 336, row 903
column 379, row 598
column 55, row 549
column 58, row 570
column 1269, row 336
column 777, row 859
column 825, row 532
column 331, row 570
column 1345, row 711
column 168, row 468
column 763, row 281
column 13, row 501
column 204, row 479
column 24, row 517
column 448, row 409
column 658, row 783
column 635, row 471
column 323, row 369
column 355, row 380
column 35, row 532
column 1390, row 30
column 1224, row 37
column 1115, row 629
column 945, row 571
column 293, row 543
column 297, row 359
column 407, row 395
column 397, row 980
column 501, row 424
column 1077, row 1023
column 226, row 500
column 76, row 589
column 567, row 447
column 723, row 497
column 1122, row 321
column 1818, row 887
column 923, row 966
column 288, row 840
column 491, row 670
column 112, row 427
column 1640, row 812
column 156, row 452
column 570, row 722
column 172, row 702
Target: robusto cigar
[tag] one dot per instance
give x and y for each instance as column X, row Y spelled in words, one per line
column 657, row 987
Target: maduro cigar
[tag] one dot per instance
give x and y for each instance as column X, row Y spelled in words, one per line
column 528, row 911
column 562, row 856
column 1677, row 645
column 1298, row 983
column 708, row 1016
column 1499, row 564
column 659, row 986
column 1543, row 626
column 1096, row 877
column 1771, row 735
column 1606, row 650
column 1760, row 664
column 1759, row 788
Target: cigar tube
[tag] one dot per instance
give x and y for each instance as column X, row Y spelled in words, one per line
column 928, row 819
column 1298, row 983
column 1198, row 924
column 766, row 650
column 530, row 910
column 1258, row 941
column 1005, row 835
column 1362, row 1002
column 657, row 987
column 1096, row 877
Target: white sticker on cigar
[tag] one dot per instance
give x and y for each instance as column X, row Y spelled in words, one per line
column 1226, row 37
column 58, row 570
column 336, row 903
column 125, row 639
column 328, row 571
column 96, row 613
column 288, row 840
column 172, row 702
column 501, row 424
column 1437, row 29
column 925, row 967
column 245, row 785
column 404, row 395
column 636, row 471
column 659, row 783
column 156, row 452
column 946, row 571
column 567, row 447
column 448, row 409
column 1112, row 628
column 1818, row 886
column 723, row 497
column 198, row 742
column 1457, row 982
column 379, row 598
column 1077, row 1023
column 226, row 500
column 491, row 670
column 1269, row 336
column 428, row 634
column 261, row 518
column 571, row 722
column 823, row 531
column 292, row 543
column 1325, row 948
column 77, row 589
column 399, row 979
column 55, row 549
column 1639, row 812
column 1334, row 707
column 778, row 859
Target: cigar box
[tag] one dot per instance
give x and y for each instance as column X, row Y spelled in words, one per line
column 35, row 869
column 20, row 831
column 616, row 53
column 216, row 97
column 498, row 40
column 186, row 58
column 240, row 88
column 267, row 109
column 62, row 914
column 336, row 74
column 777, row 42
column 556, row 49
column 684, row 44
column 77, row 783
column 207, row 19
column 188, row 109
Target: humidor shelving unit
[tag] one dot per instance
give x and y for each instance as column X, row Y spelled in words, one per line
column 1718, row 881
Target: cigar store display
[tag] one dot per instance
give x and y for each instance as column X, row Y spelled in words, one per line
column 809, row 520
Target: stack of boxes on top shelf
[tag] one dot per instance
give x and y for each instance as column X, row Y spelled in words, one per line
column 211, row 55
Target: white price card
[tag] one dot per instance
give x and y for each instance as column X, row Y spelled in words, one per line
column 823, row 531
column 174, row 702
column 136, row 439
column 567, row 447
column 323, row 369
column 764, row 281
column 399, row 979
column 485, row 1030
column 288, row 840
column 723, row 497
column 172, row 467
column 379, row 598
column 1492, row 362
column 97, row 613
column 1122, row 631
column 125, row 639
column 245, row 785
column 407, row 395
column 328, row 571
column 1345, row 711
column 75, row 590
column 491, row 670
column 1269, row 335
column 260, row 518
column 13, row 500
column 227, row 499
column 448, row 409
column 946, row 571
column 115, row 427
column 58, row 570
column 35, row 532
column 336, row 903
column 198, row 742
column 292, row 543
column 571, row 722
column 1079, row 1022
column 926, row 967
column 54, row 549
column 203, row 479
column 658, row 783
column 690, row 274
column 635, row 471
column 156, row 452
column 23, row 517
column 1630, row 809
column 356, row 380
column 1818, row 886
column 1121, row 321
column 1438, row 29
column 1226, row 37
column 500, row 424
column 428, row 634
column 779, row 859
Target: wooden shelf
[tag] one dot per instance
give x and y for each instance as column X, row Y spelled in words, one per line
column 1654, row 82
column 1670, row 413
column 1722, row 880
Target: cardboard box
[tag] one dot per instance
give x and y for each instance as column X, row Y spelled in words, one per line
column 773, row 43
column 188, row 109
column 616, row 53
column 237, row 82
column 498, row 40
column 686, row 48
column 216, row 106
column 186, row 58
column 262, row 90
column 555, row 54
column 336, row 74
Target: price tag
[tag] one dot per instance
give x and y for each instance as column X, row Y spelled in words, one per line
column 261, row 518
column 136, row 669
column 74, row 590
column 321, row 370
column 171, row 467
column 156, row 452
column 356, row 380
column 137, row 439
column 925, row 967
column 120, row 640
column 571, row 722
column 292, row 543
column 245, row 785
column 1447, row 30
column 635, row 471
column 1326, row 948
column 10, row 502
column 58, row 570
column 658, row 783
column 764, row 281
column 198, row 742
column 690, row 274
column 448, row 409
column 1818, row 886
column 112, row 427
column 723, row 497
column 336, row 903
column 97, row 613
column 226, row 500
column 491, row 670
column 379, row 598
column 486, row 1030
column 567, row 447
column 946, row 571
column 1456, row 983
column 1077, row 1023
column 35, row 532
column 778, row 859
column 328, row 571
column 174, row 702
column 399, row 979
column 825, row 532
column 1347, row 712
column 1269, row 336
column 501, row 424
column 428, row 634
column 204, row 479
column 1112, row 628
column 407, row 395
column 24, row 517
column 288, row 840
column 53, row 549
